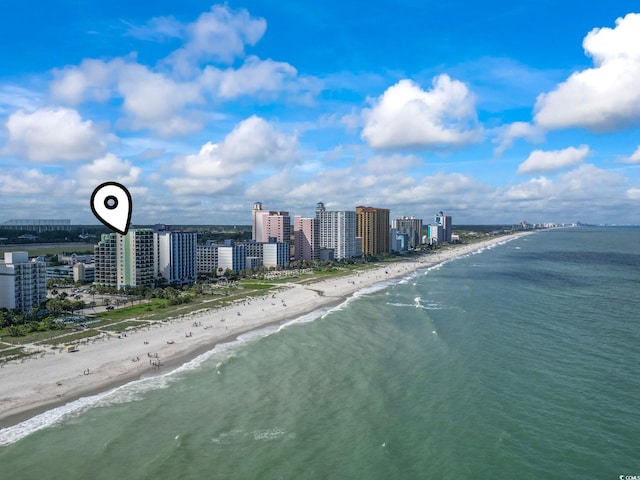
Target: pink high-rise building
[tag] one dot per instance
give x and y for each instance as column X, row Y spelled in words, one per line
column 276, row 225
column 268, row 224
column 306, row 237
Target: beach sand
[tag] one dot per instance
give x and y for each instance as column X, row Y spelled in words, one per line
column 35, row 385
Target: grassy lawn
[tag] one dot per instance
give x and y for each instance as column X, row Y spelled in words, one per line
column 11, row 352
column 122, row 326
column 71, row 338
column 32, row 337
column 256, row 285
column 124, row 313
column 35, row 250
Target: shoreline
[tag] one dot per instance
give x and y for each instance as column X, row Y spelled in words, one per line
column 38, row 385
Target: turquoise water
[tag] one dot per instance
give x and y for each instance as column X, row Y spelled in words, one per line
column 516, row 362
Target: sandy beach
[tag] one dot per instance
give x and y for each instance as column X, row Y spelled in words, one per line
column 37, row 384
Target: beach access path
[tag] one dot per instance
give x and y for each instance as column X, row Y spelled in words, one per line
column 36, row 384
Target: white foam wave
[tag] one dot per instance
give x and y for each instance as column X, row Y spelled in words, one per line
column 427, row 306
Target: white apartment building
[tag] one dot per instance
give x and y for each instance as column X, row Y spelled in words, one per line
column 177, row 259
column 23, row 284
column 338, row 232
column 232, row 257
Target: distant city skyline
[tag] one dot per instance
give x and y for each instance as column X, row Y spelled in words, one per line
column 493, row 113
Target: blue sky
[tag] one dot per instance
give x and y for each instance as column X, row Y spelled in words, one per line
column 495, row 114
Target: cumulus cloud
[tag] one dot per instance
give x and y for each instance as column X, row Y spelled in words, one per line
column 605, row 97
column 253, row 144
column 550, row 160
column 509, row 133
column 381, row 164
column 91, row 80
column 151, row 100
column 581, row 184
column 108, row 168
column 17, row 183
column 200, row 186
column 156, row 102
column 52, row 134
column 407, row 117
column 220, row 34
column 167, row 100
column 255, row 76
column 634, row 158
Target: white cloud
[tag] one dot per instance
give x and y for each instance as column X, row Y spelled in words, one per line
column 201, row 186
column 633, row 193
column 91, row 80
column 18, row 183
column 508, row 133
column 254, row 77
column 52, row 134
column 108, row 168
column 634, row 158
column 573, row 190
column 407, row 117
column 251, row 144
column 603, row 98
column 156, row 102
column 254, row 144
column 381, row 164
column 551, row 160
column 220, row 34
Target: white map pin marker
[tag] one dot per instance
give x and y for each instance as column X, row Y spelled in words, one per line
column 111, row 204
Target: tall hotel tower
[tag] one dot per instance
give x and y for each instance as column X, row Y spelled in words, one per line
column 445, row 222
column 306, row 233
column 123, row 260
column 176, row 253
column 410, row 226
column 373, row 228
column 268, row 224
column 23, row 284
column 337, row 231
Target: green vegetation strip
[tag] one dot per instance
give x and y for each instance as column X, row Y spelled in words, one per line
column 124, row 313
column 4, row 354
column 122, row 326
column 74, row 337
column 35, row 250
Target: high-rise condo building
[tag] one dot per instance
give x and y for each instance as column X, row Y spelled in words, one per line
column 445, row 222
column 233, row 257
column 177, row 256
column 337, row 231
column 373, row 228
column 306, row 233
column 410, row 226
column 137, row 264
column 23, row 284
column 269, row 224
column 146, row 257
column 106, row 261
column 256, row 221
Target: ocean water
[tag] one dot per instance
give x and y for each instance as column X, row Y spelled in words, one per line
column 520, row 361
